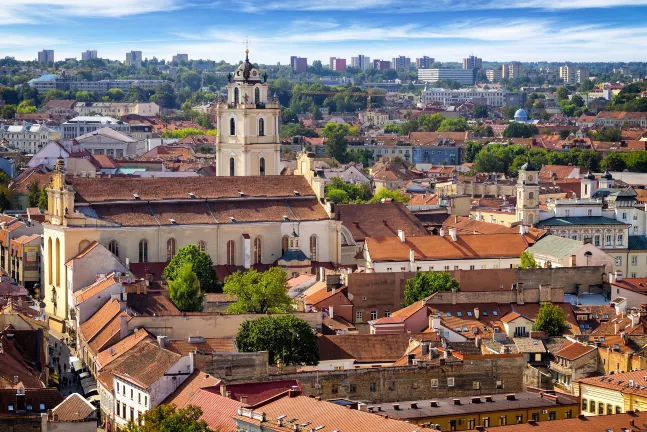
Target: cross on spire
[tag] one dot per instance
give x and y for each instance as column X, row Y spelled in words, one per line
column 246, row 42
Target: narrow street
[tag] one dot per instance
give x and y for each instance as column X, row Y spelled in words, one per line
column 59, row 359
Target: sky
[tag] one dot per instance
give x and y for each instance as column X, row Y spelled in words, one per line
column 447, row 30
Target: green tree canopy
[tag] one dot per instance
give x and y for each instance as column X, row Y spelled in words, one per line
column 34, row 193
column 340, row 192
column 472, row 149
column 520, row 130
column 425, row 284
column 562, row 93
column 480, row 111
column 167, row 418
column 458, row 124
column 528, row 260
column 430, row 122
column 394, row 195
column 259, row 292
column 288, row 339
column 201, row 264
column 336, row 143
column 184, row 290
column 550, row 319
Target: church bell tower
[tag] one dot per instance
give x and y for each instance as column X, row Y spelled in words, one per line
column 248, row 142
column 528, row 195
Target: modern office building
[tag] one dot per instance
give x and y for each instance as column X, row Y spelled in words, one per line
column 46, row 56
column 181, row 58
column 134, row 58
column 299, row 64
column 85, row 124
column 49, row 82
column 490, row 97
column 472, row 62
column 89, row 54
column 401, row 62
column 361, row 62
column 463, row 76
column 425, row 62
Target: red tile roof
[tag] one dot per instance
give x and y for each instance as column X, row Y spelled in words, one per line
column 74, row 408
column 95, row 289
column 108, row 356
column 378, row 220
column 210, row 345
column 217, row 411
column 365, row 348
column 574, row 351
column 258, row 392
column 194, row 382
column 614, row 423
column 145, row 364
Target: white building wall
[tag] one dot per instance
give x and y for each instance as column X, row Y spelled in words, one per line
column 440, row 265
column 89, row 307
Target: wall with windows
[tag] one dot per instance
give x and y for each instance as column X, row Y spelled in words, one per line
column 600, row 401
column 440, row 265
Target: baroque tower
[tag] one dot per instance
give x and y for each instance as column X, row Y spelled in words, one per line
column 528, row 195
column 248, row 142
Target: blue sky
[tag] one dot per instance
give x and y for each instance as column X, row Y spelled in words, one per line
column 448, row 30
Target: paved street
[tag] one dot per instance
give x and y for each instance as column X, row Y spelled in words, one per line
column 61, row 353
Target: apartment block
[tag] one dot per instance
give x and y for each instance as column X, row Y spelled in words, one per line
column 134, row 58
column 425, row 62
column 361, row 62
column 472, row 62
column 511, row 70
column 337, row 64
column 463, row 76
column 400, row 62
column 493, row 75
column 573, row 74
column 381, row 64
column 181, row 58
column 299, row 64
column 89, row 54
column 46, row 56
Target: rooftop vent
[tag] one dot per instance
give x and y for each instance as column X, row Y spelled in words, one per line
column 173, row 221
column 457, row 401
column 191, row 195
column 241, row 193
column 136, row 196
column 296, row 193
column 510, row 396
column 396, row 407
column 434, row 404
column 414, row 405
column 232, row 219
column 476, row 400
column 489, row 399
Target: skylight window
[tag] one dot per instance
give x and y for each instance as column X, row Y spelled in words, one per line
column 469, row 314
column 459, row 314
column 449, row 314
column 484, row 313
column 495, row 313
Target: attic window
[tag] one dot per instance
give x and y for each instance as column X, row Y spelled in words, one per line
column 42, row 407
column 601, row 339
column 459, row 314
column 10, row 408
column 232, row 219
column 296, row 193
column 136, row 196
column 484, row 313
column 285, row 218
column 241, row 193
column 449, row 314
column 192, row 195
column 173, row 222
column 29, row 407
column 469, row 314
column 605, row 316
column 458, row 329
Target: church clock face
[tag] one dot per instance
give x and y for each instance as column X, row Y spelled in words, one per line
column 530, row 202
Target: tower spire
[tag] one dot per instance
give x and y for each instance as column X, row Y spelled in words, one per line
column 246, row 42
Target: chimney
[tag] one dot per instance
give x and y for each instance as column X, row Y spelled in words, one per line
column 452, row 233
column 476, row 313
column 453, row 296
column 123, row 326
column 331, row 311
column 442, row 232
column 161, row 341
column 412, row 256
column 455, row 218
column 510, row 396
column 521, row 230
column 635, row 319
column 401, row 236
column 396, row 407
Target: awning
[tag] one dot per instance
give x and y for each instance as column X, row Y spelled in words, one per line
column 84, row 375
column 76, row 364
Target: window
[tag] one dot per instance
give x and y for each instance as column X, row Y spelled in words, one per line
column 117, row 388
column 634, row 260
column 596, row 241
column 552, row 415
column 452, row 425
column 446, row 267
column 261, row 166
column 609, row 409
column 476, row 385
column 202, row 245
column 334, row 389
column 236, row 95
column 584, row 404
column 358, row 316
column 139, row 397
column 633, row 274
column 145, row 400
column 132, row 394
column 535, row 417
column 618, row 260
column 373, row 387
column 624, row 215
column 499, row 384
column 450, row 382
column 232, row 126
column 434, row 382
column 455, row 267
column 261, row 127
column 567, row 212
column 139, row 418
column 568, row 414
column 387, row 314
column 49, row 259
column 503, row 420
column 537, row 357
column 232, row 167
column 123, row 410
column 592, row 407
column 352, row 388
column 118, row 410
column 608, row 242
column 471, row 423
column 132, row 414
column 113, row 247
column 170, row 249
column 600, row 408
column 231, row 253
column 313, row 248
column 373, row 315
column 257, row 95
column 519, row 419
column 589, row 212
column 618, row 409
column 258, row 251
column 143, row 250
column 620, row 239
column 284, row 244
column 486, row 421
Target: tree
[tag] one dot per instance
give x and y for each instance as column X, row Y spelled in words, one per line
column 562, row 93
column 42, row 200
column 116, row 94
column 201, row 264
column 34, row 194
column 8, row 112
column 430, row 123
column 424, row 284
column 288, row 116
column 528, row 260
column 472, row 149
column 288, row 339
column 6, row 198
column 24, row 107
column 336, row 143
column 508, row 112
column 168, row 418
column 520, row 130
column 480, row 111
column 614, row 162
column 185, row 291
column 394, row 195
column 577, row 100
column 550, row 319
column 316, row 113
column 564, row 133
column 259, row 292
column 458, row 124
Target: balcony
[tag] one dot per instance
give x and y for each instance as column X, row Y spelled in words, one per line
column 564, row 370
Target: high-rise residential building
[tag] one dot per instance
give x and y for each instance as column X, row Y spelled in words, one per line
column 299, row 64
column 425, row 62
column 401, row 62
column 337, row 64
column 493, row 75
column 89, row 54
column 134, row 58
column 472, row 62
column 361, row 62
column 463, row 76
column 511, row 70
column 46, row 56
column 179, row 58
column 573, row 74
column 381, row 65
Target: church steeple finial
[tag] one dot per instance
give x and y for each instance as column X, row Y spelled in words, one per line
column 246, row 48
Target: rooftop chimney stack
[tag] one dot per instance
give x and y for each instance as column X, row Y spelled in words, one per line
column 452, row 233
column 401, row 236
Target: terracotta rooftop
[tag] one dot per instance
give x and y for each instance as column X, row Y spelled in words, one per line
column 258, row 392
column 74, row 408
column 108, row 356
column 365, row 348
column 217, row 411
column 574, row 351
column 637, row 285
column 95, row 289
column 99, row 320
column 467, row 246
column 194, row 382
column 153, row 303
column 145, row 364
column 607, row 423
column 323, row 294
column 40, row 399
column 378, row 220
column 210, row 345
column 621, row 382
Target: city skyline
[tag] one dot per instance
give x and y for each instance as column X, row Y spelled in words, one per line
column 570, row 30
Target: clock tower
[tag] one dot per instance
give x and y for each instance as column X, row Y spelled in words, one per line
column 248, row 143
column 528, row 195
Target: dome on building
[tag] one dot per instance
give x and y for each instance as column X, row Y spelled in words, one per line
column 246, row 72
column 521, row 116
column 590, row 176
column 607, row 175
column 528, row 166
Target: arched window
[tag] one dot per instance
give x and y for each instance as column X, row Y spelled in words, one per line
column 113, row 247
column 49, row 260
column 257, row 95
column 261, row 166
column 170, row 249
column 232, row 127
column 232, row 165
column 202, row 246
column 261, row 127
column 58, row 263
column 236, row 95
column 313, row 247
column 258, row 252
column 83, row 244
column 531, row 219
column 284, row 244
column 143, row 250
column 231, row 253
column 531, row 195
